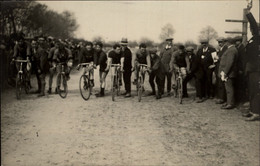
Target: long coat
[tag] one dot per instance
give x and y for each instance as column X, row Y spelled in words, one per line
column 157, row 67
column 228, row 62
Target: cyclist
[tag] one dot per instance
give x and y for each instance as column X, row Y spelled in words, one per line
column 115, row 56
column 100, row 58
column 157, row 72
column 22, row 52
column 87, row 56
column 180, row 61
column 142, row 57
column 63, row 54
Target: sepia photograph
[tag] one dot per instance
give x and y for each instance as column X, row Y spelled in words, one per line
column 130, row 83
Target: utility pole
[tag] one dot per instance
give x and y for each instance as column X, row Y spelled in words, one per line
column 244, row 24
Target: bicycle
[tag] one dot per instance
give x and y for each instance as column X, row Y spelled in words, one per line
column 85, row 86
column 140, row 81
column 115, row 86
column 61, row 80
column 21, row 80
column 179, row 87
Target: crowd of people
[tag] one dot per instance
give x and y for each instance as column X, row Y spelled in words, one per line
column 229, row 73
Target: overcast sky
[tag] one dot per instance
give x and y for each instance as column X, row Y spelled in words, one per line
column 136, row 19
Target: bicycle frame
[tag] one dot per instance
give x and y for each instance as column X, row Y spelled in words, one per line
column 88, row 67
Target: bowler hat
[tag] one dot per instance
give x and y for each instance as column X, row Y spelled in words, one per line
column 124, row 41
column 204, row 41
column 221, row 39
column 169, row 39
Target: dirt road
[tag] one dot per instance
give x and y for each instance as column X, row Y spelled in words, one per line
column 73, row 132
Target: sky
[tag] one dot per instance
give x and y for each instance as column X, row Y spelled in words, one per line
column 113, row 20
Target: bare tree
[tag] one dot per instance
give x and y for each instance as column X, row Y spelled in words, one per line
column 208, row 33
column 167, row 31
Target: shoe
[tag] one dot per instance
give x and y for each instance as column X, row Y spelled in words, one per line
column 120, row 83
column 211, row 97
column 158, row 97
column 135, row 82
column 151, row 94
column 248, row 114
column 124, row 93
column 56, row 90
column 224, row 104
column 40, row 95
column 220, row 102
column 37, row 91
column 254, row 117
column 168, row 93
column 200, row 100
column 228, row 106
column 49, row 91
column 100, row 95
column 128, row 95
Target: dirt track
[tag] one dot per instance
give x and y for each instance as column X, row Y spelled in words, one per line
column 54, row 131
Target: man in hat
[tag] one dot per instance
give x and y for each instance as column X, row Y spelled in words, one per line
column 157, row 73
column 166, row 55
column 100, row 58
column 228, row 72
column 127, row 67
column 206, row 54
column 220, row 86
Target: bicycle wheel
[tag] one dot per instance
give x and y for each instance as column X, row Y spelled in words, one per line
column 118, row 86
column 140, row 88
column 26, row 87
column 62, row 87
column 180, row 90
column 84, row 87
column 114, row 87
column 18, row 86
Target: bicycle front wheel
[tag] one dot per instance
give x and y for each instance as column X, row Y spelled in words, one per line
column 140, row 88
column 84, row 87
column 180, row 93
column 62, row 87
column 18, row 86
column 114, row 84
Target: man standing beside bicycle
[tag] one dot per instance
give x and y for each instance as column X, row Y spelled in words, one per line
column 180, row 64
column 127, row 67
column 100, row 58
column 166, row 55
column 62, row 55
column 157, row 72
column 142, row 56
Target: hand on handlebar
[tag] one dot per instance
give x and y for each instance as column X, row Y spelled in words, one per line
column 78, row 67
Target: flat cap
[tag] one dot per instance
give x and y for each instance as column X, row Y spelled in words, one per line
column 124, row 41
column 204, row 41
column 169, row 39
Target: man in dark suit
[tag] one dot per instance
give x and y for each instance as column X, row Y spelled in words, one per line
column 220, row 86
column 228, row 72
column 127, row 67
column 205, row 54
column 166, row 55
column 253, row 68
column 240, row 82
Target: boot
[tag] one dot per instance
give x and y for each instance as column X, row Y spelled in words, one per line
column 101, row 94
column 49, row 91
column 42, row 91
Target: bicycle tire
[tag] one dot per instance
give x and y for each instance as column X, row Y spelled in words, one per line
column 180, row 90
column 18, row 86
column 26, row 87
column 113, row 88
column 62, row 90
column 140, row 88
column 118, row 86
column 84, row 87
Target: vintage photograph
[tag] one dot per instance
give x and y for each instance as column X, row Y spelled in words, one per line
column 130, row 83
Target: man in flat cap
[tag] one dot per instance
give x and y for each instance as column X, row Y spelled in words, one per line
column 220, row 86
column 127, row 66
column 228, row 72
column 157, row 73
column 166, row 55
column 206, row 54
